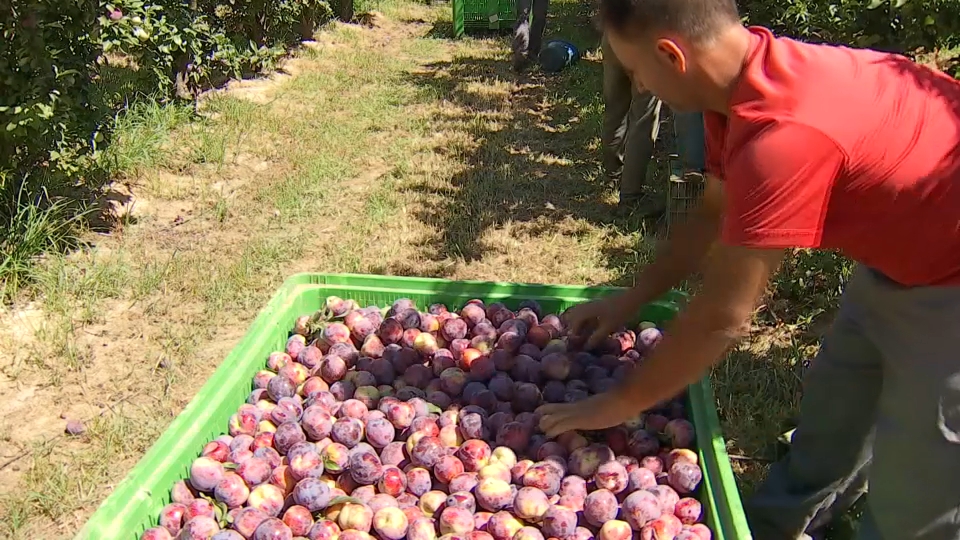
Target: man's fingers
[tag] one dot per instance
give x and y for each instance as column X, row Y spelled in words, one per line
column 599, row 335
column 551, row 408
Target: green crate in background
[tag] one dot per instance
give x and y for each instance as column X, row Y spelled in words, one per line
column 483, row 15
column 136, row 502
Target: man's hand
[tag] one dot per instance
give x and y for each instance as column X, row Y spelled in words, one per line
column 597, row 412
column 601, row 317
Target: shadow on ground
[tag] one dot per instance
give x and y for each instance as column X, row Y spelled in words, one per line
column 535, row 156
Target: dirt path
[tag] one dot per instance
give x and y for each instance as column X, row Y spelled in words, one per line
column 384, row 149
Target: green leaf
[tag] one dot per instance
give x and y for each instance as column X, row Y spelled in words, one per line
column 874, row 4
column 344, row 499
column 900, row 3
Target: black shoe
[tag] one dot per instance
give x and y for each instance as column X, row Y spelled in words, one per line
column 520, row 63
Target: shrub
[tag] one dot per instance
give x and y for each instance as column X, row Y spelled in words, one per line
column 899, row 26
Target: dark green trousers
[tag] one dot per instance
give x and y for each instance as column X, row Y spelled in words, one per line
column 631, row 121
column 880, row 407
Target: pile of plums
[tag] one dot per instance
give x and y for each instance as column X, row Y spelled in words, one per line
column 399, row 423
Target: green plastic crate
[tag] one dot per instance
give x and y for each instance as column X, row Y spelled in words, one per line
column 136, row 502
column 483, row 15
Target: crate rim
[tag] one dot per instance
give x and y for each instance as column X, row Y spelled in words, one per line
column 709, row 435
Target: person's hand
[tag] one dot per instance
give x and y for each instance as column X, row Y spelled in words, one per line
column 597, row 412
column 600, row 318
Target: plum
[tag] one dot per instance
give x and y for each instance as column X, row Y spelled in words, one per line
column 181, row 492
column 390, row 331
column 205, row 474
column 287, row 435
column 268, row 498
column 357, row 517
column 335, row 457
column 368, row 395
column 475, row 454
column 392, row 481
column 305, row 461
column 544, row 477
column 417, row 375
column 232, row 490
column 688, row 510
column 600, row 507
column 677, row 455
column 409, row 338
column 324, row 529
column 351, row 534
column 312, row 493
column 514, row 435
column 680, row 432
column 530, row 503
column 171, row 517
column 653, row 463
column 282, row 478
column 665, row 526
column 640, row 478
column 422, row 528
column 452, row 381
column 426, row 452
column 495, row 470
column 559, row 522
column 447, row 468
column 640, row 508
column 347, row 431
column 365, row 467
column 247, row 520
column 432, row 502
column 455, row 521
column 611, row 475
column 394, row 454
column 643, row 443
column 684, row 477
column 528, row 533
column 426, row 424
column 472, row 426
column 418, row 481
column 573, row 486
column 493, row 494
column 647, row 339
column 380, row 501
column 615, row 530
column 299, row 519
column 556, row 366
column 380, row 432
column 295, row 344
column 277, row 360
column 390, row 523
column 332, row 369
column 158, row 533
column 526, row 397
column 201, row 528
column 464, row 482
column 343, row 390
column 503, row 525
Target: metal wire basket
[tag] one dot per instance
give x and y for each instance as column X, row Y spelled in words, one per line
column 683, row 193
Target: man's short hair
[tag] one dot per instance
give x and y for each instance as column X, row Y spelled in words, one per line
column 697, row 20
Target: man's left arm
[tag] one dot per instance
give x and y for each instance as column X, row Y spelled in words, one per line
column 776, row 198
column 733, row 282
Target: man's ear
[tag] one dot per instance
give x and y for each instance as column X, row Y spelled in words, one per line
column 672, row 54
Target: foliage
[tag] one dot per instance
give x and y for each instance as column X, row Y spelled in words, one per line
column 904, row 26
column 190, row 45
column 58, row 96
column 50, row 47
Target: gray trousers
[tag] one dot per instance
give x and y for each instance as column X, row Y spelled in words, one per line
column 527, row 33
column 881, row 404
column 631, row 121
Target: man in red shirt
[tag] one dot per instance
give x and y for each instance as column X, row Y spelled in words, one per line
column 809, row 146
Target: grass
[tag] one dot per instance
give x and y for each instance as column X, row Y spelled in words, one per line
column 388, row 150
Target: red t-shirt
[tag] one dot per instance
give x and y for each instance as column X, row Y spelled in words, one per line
column 838, row 148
